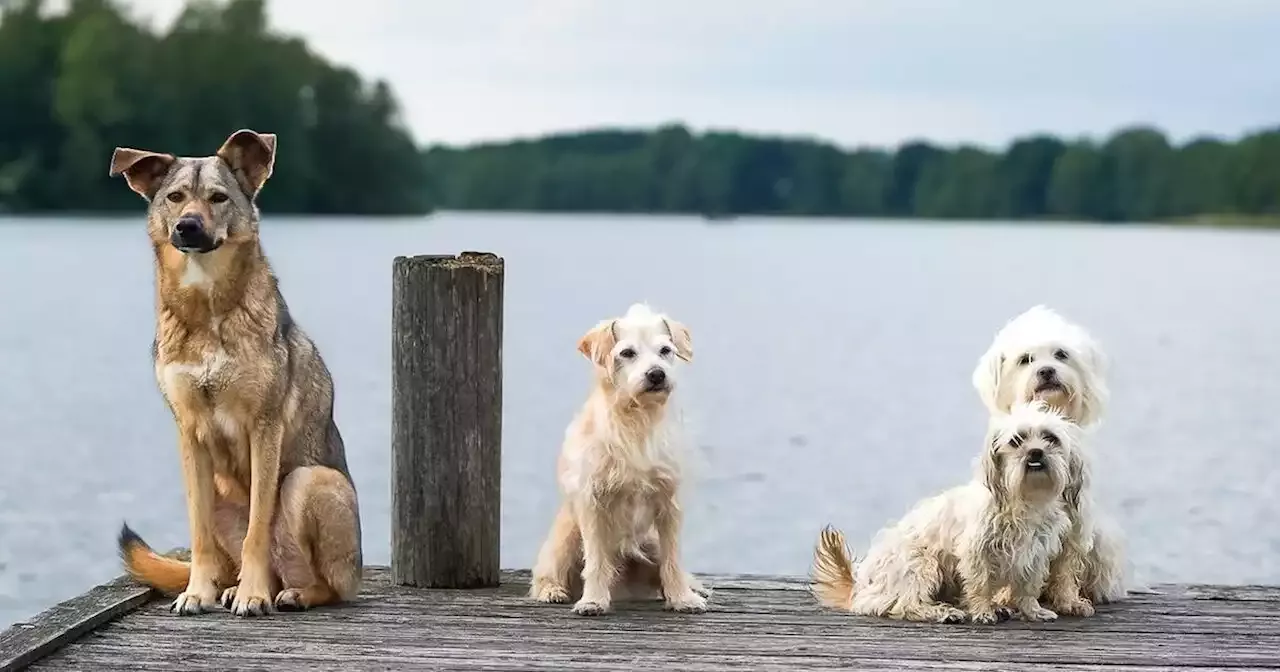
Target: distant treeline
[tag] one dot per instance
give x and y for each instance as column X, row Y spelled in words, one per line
column 1135, row 175
column 74, row 85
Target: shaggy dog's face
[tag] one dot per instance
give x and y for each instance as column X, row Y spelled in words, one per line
column 1028, row 452
column 1040, row 356
column 636, row 353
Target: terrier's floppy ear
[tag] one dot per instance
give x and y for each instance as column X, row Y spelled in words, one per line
column 992, row 466
column 142, row 169
column 986, row 378
column 1093, row 374
column 597, row 344
column 681, row 338
column 251, row 156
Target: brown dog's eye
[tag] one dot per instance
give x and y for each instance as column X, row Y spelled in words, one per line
column 1051, row 439
column 1024, row 360
column 218, row 197
column 1017, row 439
column 175, row 196
column 627, row 353
column 1060, row 354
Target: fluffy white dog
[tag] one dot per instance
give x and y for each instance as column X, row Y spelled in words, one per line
column 1040, row 355
column 960, row 547
column 620, row 473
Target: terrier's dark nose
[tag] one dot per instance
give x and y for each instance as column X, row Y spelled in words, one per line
column 189, row 225
column 656, row 376
column 1046, row 373
column 1035, row 455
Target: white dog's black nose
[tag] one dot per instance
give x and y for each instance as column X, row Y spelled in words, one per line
column 1035, row 455
column 1046, row 373
column 655, row 376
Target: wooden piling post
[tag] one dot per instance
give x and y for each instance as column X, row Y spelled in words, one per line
column 446, row 420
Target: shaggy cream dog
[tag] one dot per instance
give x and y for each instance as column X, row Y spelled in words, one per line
column 1001, row 529
column 620, row 473
column 1040, row 355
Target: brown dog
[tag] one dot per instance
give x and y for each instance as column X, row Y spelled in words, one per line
column 272, row 509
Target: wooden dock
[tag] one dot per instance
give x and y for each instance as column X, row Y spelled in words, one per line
column 444, row 604
column 755, row 623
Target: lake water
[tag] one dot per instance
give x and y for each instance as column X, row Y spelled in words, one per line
column 831, row 382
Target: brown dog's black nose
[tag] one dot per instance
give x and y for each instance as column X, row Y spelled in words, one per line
column 656, row 376
column 189, row 225
column 1046, row 373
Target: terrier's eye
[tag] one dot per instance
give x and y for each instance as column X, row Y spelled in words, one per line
column 1060, row 355
column 176, row 196
column 1017, row 439
column 627, row 353
column 1051, row 438
column 1024, row 360
column 218, row 197
column 665, row 351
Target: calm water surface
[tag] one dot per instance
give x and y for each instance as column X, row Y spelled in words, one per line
column 831, row 382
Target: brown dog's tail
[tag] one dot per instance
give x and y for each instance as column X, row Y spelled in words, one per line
column 166, row 575
column 833, row 570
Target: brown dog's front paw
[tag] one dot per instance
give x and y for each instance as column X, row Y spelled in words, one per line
column 244, row 602
column 191, row 603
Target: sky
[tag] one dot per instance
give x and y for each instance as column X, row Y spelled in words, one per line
column 856, row 72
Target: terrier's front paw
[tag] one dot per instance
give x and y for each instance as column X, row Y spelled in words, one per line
column 696, row 585
column 1078, row 607
column 689, row 603
column 1038, row 615
column 551, row 593
column 983, row 617
column 586, row 607
column 194, row 602
column 951, row 615
column 1005, row 613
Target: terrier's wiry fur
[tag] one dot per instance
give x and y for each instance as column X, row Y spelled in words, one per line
column 620, row 475
column 1040, row 355
column 271, row 506
column 946, row 559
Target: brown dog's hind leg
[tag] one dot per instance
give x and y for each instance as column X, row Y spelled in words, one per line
column 316, row 550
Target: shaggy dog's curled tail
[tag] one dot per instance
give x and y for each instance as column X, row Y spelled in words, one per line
column 833, row 570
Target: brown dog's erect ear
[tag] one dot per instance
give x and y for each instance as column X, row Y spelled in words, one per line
column 251, row 156
column 142, row 169
column 596, row 344
column 681, row 338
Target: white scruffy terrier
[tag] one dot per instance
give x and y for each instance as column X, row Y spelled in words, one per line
column 960, row 547
column 620, row 474
column 1040, row 355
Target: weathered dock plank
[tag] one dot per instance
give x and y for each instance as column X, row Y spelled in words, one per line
column 756, row 623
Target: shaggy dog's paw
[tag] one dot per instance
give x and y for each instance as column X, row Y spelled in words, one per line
column 1079, row 607
column 1005, row 613
column 984, row 617
column 549, row 592
column 691, row 603
column 697, row 587
column 951, row 615
column 1038, row 615
column 590, row 608
column 246, row 602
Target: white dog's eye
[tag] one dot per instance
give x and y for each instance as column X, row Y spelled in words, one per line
column 1060, row 354
column 627, row 353
column 1051, row 438
column 665, row 351
column 1024, row 360
column 1017, row 439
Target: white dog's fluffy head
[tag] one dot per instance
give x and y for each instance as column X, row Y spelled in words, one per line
column 1041, row 355
column 1028, row 452
column 636, row 354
